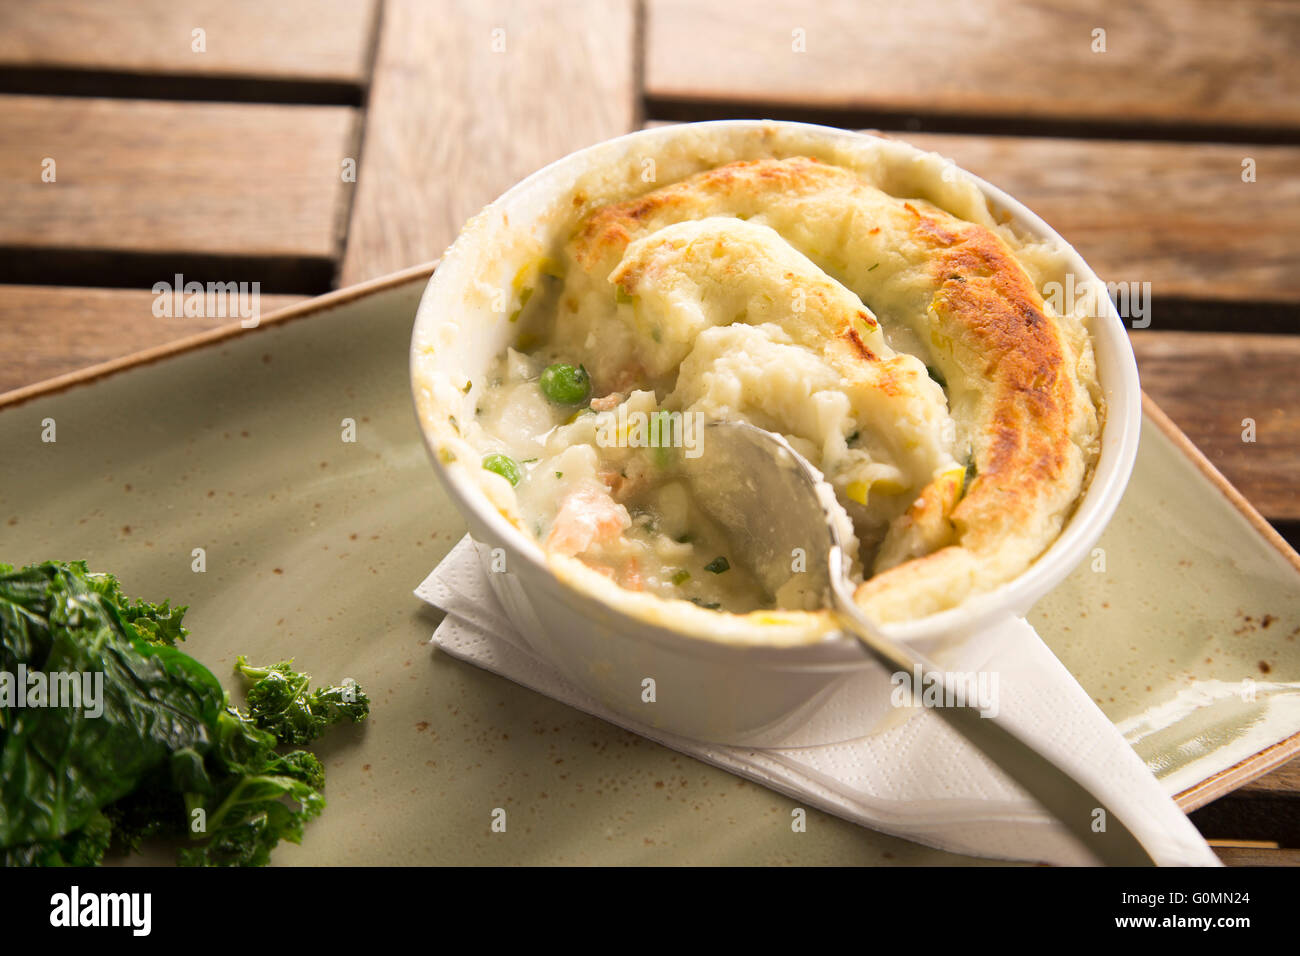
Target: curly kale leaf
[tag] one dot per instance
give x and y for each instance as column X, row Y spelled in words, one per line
column 280, row 701
column 240, row 810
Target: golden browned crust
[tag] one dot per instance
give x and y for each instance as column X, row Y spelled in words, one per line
column 604, row 234
column 1003, row 354
column 985, row 296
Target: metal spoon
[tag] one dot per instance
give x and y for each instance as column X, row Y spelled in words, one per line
column 779, row 509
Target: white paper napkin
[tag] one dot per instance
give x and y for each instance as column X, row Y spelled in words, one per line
column 915, row 777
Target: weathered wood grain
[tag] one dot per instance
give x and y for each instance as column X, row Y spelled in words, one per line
column 314, row 40
column 1256, row 856
column 47, row 331
column 469, row 97
column 1165, row 61
column 1210, row 383
column 162, row 178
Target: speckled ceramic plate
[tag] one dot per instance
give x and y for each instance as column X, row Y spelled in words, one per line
column 1184, row 628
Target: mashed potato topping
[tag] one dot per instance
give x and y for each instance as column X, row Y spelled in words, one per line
column 904, row 351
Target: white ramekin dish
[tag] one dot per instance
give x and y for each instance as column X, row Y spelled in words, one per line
column 725, row 691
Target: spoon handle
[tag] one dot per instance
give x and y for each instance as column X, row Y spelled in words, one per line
column 1056, row 790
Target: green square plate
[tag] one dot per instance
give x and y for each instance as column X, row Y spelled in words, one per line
column 233, row 442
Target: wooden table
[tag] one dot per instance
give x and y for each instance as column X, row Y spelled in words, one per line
column 307, row 144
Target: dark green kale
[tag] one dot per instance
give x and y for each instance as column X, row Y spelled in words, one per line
column 59, row 765
column 162, row 752
column 280, row 701
column 239, row 813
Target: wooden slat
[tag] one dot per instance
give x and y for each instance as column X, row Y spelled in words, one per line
column 320, row 40
column 1208, row 383
column 1177, row 215
column 452, row 123
column 1166, row 61
column 1257, row 856
column 149, row 177
column 47, row 331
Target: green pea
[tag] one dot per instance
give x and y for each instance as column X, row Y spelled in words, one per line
column 566, row 385
column 503, row 465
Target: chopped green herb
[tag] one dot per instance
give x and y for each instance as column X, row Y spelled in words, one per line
column 874, row 268
column 468, row 386
column 718, row 565
column 559, row 474
column 503, row 465
column 681, row 576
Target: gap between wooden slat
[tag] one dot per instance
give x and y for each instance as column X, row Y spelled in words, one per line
column 1252, row 816
column 163, row 86
column 117, row 269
